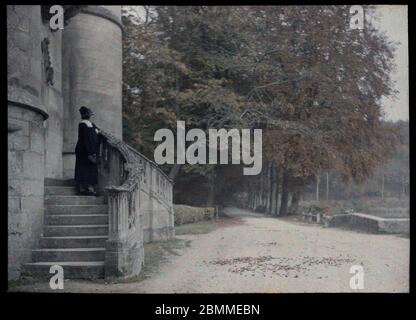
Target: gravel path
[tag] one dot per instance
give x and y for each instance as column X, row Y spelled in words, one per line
column 256, row 253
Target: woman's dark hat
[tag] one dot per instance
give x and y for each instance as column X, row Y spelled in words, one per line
column 85, row 111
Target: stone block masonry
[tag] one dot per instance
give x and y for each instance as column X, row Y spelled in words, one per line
column 86, row 60
column 369, row 223
column 92, row 74
column 26, row 138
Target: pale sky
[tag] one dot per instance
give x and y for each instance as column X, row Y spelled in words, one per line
column 393, row 20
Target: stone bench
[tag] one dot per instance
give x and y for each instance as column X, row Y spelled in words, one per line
column 369, row 223
column 312, row 217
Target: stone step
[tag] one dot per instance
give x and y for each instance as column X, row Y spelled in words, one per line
column 72, row 269
column 73, row 200
column 59, row 190
column 68, row 254
column 75, row 230
column 76, row 209
column 73, row 242
column 75, row 219
column 59, row 182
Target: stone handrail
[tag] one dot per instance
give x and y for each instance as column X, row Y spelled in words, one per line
column 121, row 198
column 130, row 181
column 131, row 165
column 119, row 179
column 162, row 178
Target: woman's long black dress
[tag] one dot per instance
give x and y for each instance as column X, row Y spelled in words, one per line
column 88, row 143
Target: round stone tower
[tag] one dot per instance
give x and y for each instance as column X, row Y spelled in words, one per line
column 92, row 69
column 26, row 113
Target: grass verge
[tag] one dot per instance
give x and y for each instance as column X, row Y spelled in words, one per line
column 200, row 227
column 154, row 254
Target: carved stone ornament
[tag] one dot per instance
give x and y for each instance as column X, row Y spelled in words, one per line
column 47, row 65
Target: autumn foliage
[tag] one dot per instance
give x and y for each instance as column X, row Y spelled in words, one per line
column 298, row 72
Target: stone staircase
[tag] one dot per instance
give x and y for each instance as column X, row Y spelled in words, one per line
column 74, row 234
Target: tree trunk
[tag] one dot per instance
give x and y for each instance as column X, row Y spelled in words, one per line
column 258, row 198
column 211, row 190
column 382, row 186
column 248, row 196
column 260, row 194
column 250, row 201
column 318, row 180
column 264, row 189
column 285, row 194
column 294, row 207
column 269, row 188
column 273, row 198
column 276, row 195
column 253, row 198
column 327, row 186
column 211, row 195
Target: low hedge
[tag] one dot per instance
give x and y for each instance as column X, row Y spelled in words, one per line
column 187, row 214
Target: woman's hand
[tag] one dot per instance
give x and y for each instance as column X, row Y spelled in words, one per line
column 93, row 158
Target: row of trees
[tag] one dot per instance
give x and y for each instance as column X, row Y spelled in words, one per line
column 297, row 72
column 389, row 179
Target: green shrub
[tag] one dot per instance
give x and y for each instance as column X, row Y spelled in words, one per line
column 187, row 214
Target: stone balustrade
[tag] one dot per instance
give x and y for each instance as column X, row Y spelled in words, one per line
column 139, row 205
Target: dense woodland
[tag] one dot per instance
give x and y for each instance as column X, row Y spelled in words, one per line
column 299, row 73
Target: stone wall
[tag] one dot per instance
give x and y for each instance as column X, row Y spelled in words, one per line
column 26, row 133
column 139, row 205
column 52, row 99
column 369, row 223
column 156, row 203
column 25, row 184
column 125, row 252
column 92, row 68
column 86, row 58
column 24, row 57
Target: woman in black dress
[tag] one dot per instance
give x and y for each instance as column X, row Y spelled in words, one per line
column 86, row 152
